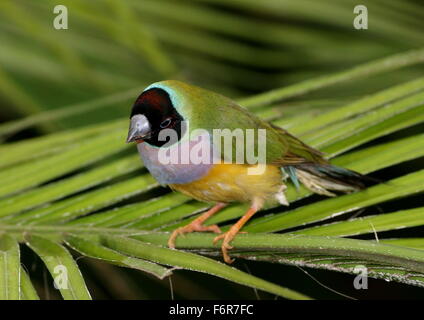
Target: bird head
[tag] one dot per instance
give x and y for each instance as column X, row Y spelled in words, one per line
column 152, row 112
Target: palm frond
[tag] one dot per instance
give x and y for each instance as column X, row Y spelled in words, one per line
column 76, row 189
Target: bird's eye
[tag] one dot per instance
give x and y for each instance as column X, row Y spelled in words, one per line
column 165, row 123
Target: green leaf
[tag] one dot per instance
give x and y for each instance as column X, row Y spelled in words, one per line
column 194, row 262
column 65, row 112
column 377, row 270
column 331, row 134
column 97, row 251
column 382, row 65
column 27, row 289
column 168, row 217
column 370, row 224
column 62, row 267
column 329, row 208
column 290, row 243
column 63, row 188
column 366, row 251
column 129, row 215
column 417, row 243
column 10, row 268
column 360, row 106
column 389, row 125
column 30, row 149
column 28, row 175
column 68, row 209
column 382, row 155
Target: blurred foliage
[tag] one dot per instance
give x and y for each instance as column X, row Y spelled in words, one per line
column 236, row 47
column 300, row 63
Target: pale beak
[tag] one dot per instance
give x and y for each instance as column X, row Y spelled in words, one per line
column 139, row 128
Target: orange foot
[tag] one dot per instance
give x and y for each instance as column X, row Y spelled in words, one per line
column 227, row 238
column 197, row 225
column 192, row 227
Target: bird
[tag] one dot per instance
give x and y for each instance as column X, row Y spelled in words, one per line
column 171, row 120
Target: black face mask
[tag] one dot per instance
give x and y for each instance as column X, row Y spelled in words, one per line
column 156, row 105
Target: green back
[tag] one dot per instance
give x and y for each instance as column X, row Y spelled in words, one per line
column 208, row 110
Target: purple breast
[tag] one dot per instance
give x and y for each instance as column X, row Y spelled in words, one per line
column 183, row 162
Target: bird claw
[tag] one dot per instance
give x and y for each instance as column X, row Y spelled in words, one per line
column 227, row 237
column 191, row 227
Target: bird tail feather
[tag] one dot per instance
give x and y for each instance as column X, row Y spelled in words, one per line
column 325, row 178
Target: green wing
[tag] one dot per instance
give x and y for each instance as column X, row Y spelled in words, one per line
column 298, row 152
column 208, row 110
column 282, row 148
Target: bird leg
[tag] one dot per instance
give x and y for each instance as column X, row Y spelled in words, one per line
column 197, row 225
column 230, row 234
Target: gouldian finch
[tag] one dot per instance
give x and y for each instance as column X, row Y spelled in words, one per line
column 175, row 126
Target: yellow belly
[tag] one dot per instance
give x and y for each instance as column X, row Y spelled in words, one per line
column 232, row 182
